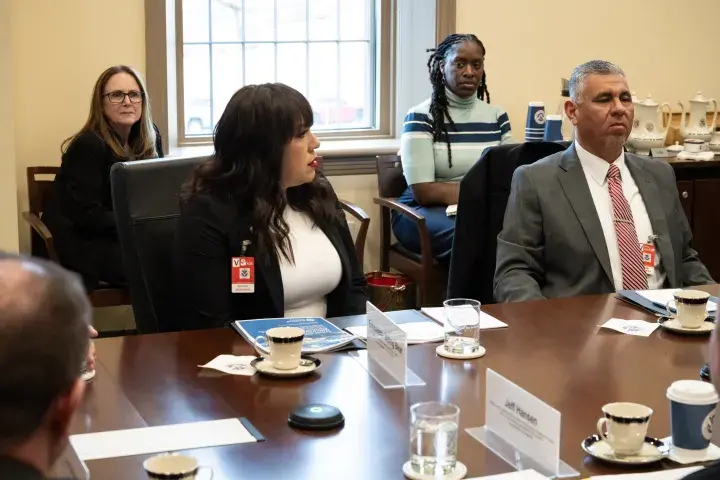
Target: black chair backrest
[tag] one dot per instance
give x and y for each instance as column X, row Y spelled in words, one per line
column 484, row 193
column 391, row 181
column 147, row 205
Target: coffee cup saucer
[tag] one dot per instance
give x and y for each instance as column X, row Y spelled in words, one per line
column 653, row 450
column 307, row 366
column 673, row 324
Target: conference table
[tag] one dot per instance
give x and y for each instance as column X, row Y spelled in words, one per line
column 553, row 348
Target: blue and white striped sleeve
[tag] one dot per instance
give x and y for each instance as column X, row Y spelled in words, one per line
column 416, row 147
column 504, row 123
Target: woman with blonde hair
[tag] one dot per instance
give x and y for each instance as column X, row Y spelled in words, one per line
column 79, row 213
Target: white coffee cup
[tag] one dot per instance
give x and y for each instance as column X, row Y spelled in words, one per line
column 626, row 424
column 174, row 466
column 285, row 347
column 693, row 145
column 691, row 307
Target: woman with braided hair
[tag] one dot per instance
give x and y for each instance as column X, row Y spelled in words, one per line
column 443, row 137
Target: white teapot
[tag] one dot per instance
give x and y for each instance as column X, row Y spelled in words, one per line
column 647, row 131
column 697, row 126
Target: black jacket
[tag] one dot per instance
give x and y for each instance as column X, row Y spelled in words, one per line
column 79, row 211
column 209, row 233
column 16, row 470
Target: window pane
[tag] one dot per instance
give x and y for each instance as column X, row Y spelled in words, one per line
column 259, row 63
column 196, row 26
column 227, row 20
column 196, row 85
column 355, row 86
column 292, row 20
column 323, row 94
column 259, row 20
column 227, row 76
column 323, row 19
column 292, row 66
column 354, row 19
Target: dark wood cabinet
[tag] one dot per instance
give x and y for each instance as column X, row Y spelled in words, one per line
column 698, row 185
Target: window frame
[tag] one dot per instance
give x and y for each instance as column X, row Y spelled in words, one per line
column 161, row 22
column 381, row 37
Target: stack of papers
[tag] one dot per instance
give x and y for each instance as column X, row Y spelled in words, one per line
column 417, row 332
column 320, row 335
column 487, row 322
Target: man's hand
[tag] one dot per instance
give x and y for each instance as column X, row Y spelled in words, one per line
column 90, row 361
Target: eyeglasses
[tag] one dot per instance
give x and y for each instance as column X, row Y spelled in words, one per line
column 118, row 96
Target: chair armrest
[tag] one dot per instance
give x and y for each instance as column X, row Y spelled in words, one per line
column 41, row 229
column 393, row 204
column 419, row 220
column 354, row 210
column 364, row 220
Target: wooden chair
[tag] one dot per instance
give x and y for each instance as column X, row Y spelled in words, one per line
column 41, row 239
column 428, row 274
column 360, row 215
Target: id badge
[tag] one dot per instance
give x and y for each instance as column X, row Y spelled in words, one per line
column 648, row 257
column 242, row 276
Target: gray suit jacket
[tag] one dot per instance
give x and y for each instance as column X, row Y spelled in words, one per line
column 552, row 244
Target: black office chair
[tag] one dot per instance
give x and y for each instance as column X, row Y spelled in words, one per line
column 147, row 205
column 484, row 192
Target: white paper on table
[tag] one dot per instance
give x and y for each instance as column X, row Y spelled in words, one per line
column 232, row 364
column 712, row 453
column 521, row 475
column 640, row 328
column 487, row 322
column 663, row 296
column 676, row 474
column 167, row 438
column 417, row 332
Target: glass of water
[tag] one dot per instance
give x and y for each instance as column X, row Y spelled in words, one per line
column 462, row 326
column 433, row 437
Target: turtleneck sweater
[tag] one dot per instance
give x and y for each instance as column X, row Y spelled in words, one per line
column 478, row 125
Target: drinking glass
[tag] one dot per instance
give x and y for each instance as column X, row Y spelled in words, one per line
column 462, row 326
column 433, row 437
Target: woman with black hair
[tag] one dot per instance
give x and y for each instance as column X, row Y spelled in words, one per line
column 261, row 235
column 444, row 136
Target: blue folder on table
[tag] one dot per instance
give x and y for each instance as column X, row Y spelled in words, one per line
column 635, row 299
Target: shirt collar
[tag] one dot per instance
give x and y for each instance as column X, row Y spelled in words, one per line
column 596, row 166
column 459, row 102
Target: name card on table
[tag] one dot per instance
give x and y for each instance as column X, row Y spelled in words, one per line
column 521, row 429
column 386, row 355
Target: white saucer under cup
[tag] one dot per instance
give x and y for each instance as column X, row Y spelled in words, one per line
column 441, row 351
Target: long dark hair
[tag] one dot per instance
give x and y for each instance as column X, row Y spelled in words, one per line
column 439, row 102
column 258, row 123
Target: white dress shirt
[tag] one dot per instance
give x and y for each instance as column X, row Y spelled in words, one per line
column 596, row 170
column 317, row 269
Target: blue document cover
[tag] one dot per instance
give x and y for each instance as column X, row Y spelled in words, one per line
column 320, row 335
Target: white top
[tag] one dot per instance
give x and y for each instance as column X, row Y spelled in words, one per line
column 317, row 269
column 596, row 170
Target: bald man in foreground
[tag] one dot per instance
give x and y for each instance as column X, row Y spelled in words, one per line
column 44, row 321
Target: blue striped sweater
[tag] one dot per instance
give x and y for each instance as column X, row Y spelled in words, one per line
column 478, row 126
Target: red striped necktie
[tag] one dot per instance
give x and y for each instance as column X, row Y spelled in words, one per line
column 633, row 271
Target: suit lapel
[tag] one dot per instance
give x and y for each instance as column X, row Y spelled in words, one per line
column 333, row 235
column 573, row 182
column 273, row 279
column 652, row 200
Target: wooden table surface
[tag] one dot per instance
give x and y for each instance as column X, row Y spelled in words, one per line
column 553, row 349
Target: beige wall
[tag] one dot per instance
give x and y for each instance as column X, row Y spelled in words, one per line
column 665, row 47
column 8, row 199
column 60, row 48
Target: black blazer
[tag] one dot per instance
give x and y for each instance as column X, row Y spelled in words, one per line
column 209, row 233
column 79, row 211
column 484, row 192
column 16, row 470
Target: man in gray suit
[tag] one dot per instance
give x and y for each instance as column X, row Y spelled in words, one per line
column 593, row 219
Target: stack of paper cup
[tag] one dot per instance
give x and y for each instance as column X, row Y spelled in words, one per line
column 692, row 412
column 535, row 126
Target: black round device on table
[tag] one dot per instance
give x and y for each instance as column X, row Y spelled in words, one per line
column 705, row 373
column 316, row 416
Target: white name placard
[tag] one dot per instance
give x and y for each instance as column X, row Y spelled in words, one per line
column 386, row 344
column 522, row 420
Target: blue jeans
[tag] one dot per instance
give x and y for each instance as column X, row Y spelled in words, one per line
column 440, row 227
